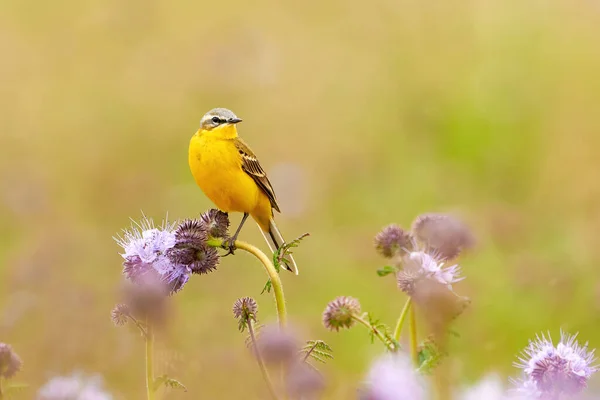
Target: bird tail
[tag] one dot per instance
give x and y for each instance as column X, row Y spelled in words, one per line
column 275, row 241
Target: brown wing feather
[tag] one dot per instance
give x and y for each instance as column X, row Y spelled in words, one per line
column 252, row 167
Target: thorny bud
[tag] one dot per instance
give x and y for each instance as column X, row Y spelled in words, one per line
column 339, row 313
column 191, row 249
column 442, row 234
column 303, row 381
column 407, row 279
column 555, row 371
column 120, row 314
column 216, row 222
column 10, row 362
column 245, row 310
column 391, row 240
column 276, row 345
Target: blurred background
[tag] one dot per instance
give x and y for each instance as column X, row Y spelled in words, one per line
column 362, row 115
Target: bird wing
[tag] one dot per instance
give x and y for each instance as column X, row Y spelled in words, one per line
column 252, row 167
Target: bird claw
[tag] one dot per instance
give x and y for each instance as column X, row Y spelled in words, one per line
column 228, row 245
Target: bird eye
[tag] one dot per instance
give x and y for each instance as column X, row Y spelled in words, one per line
column 216, row 120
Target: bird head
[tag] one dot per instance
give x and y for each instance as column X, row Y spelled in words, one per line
column 219, row 122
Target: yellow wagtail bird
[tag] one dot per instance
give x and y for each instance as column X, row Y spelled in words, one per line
column 230, row 175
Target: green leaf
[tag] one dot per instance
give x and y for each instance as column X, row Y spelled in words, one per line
column 317, row 350
column 171, row 383
column 429, row 356
column 267, row 287
column 280, row 255
column 388, row 269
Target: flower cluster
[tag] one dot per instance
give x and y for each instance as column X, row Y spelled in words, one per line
column 170, row 254
column 552, row 371
column 423, row 253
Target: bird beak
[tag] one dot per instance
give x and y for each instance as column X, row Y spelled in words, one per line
column 234, row 120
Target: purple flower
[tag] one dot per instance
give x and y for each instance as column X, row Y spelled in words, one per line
column 428, row 266
column 393, row 377
column 146, row 255
column 550, row 370
column 75, row 387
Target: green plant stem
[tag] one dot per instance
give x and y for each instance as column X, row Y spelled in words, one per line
column 271, row 271
column 1, row 391
column 375, row 331
column 401, row 319
column 413, row 336
column 261, row 364
column 149, row 361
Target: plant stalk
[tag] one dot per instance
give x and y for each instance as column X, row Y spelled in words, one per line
column 271, row 271
column 413, row 336
column 375, row 331
column 149, row 361
column 261, row 364
column 1, row 391
column 401, row 319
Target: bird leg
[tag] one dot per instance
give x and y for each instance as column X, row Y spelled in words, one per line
column 229, row 244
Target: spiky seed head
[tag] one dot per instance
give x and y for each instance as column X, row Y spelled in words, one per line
column 191, row 232
column 391, row 240
column 407, row 280
column 339, row 313
column 190, row 249
column 442, row 234
column 216, row 222
column 10, row 362
column 561, row 370
column 120, row 314
column 303, row 381
column 245, row 308
column 277, row 345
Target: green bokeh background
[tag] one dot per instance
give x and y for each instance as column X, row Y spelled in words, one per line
column 362, row 113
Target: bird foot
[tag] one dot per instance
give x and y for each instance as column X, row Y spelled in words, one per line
column 228, row 245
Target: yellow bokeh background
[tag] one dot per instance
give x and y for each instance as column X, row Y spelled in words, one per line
column 362, row 113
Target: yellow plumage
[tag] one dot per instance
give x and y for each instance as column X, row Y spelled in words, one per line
column 230, row 175
column 217, row 168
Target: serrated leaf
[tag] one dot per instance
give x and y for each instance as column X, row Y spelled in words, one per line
column 280, row 255
column 388, row 269
column 317, row 349
column 317, row 358
column 171, row 383
column 322, row 354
